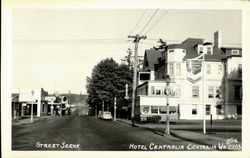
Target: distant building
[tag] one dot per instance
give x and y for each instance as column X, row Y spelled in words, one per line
column 183, row 63
column 59, row 105
column 16, row 106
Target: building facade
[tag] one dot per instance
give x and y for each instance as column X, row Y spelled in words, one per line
column 35, row 97
column 42, row 102
column 218, row 86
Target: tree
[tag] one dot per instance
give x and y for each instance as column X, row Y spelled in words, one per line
column 108, row 80
column 128, row 58
column 162, row 45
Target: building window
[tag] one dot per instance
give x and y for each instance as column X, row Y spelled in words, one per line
column 208, row 69
column 219, row 69
column 145, row 109
column 237, row 92
column 239, row 110
column 209, row 50
column 239, row 70
column 154, row 109
column 219, row 110
column 158, row 91
column 163, row 109
column 178, row 91
column 171, row 69
column 194, row 109
column 208, row 109
column 200, row 50
column 152, row 90
column 144, row 76
column 195, row 92
column 178, row 69
column 218, row 92
column 235, row 52
column 210, row 92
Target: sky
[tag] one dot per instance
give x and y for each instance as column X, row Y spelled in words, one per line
column 57, row 48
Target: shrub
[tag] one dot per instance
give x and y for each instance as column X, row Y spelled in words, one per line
column 153, row 119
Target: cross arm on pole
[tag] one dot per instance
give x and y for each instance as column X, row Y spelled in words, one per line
column 137, row 38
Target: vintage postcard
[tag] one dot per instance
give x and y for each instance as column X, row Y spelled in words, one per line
column 89, row 80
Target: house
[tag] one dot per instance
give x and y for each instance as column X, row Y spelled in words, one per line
column 233, row 82
column 183, row 63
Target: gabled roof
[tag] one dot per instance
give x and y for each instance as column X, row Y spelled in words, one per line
column 229, row 54
column 207, row 43
column 150, row 59
column 191, row 42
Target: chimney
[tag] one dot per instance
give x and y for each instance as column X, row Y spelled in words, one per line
column 217, row 39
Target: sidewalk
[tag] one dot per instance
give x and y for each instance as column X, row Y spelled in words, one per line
column 176, row 130
column 27, row 120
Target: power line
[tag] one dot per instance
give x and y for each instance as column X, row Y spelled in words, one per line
column 69, row 42
column 157, row 21
column 180, row 41
column 148, row 21
column 138, row 21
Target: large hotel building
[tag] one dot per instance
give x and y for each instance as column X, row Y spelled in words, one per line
column 222, row 82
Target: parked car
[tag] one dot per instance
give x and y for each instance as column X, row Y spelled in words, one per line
column 107, row 115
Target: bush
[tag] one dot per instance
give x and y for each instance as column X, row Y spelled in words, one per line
column 153, row 119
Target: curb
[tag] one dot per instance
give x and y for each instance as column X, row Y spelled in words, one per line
column 193, row 140
column 35, row 121
column 172, row 133
column 124, row 122
column 130, row 124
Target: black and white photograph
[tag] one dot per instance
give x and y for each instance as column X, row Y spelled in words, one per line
column 125, row 79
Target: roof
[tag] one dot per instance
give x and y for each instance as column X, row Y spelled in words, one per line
column 189, row 44
column 151, row 56
column 207, row 43
column 150, row 59
column 173, row 46
column 223, row 48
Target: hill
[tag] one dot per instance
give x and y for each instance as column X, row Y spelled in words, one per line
column 77, row 99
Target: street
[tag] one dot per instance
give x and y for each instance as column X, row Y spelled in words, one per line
column 86, row 133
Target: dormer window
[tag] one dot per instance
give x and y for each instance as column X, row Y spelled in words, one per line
column 209, row 50
column 200, row 50
column 235, row 52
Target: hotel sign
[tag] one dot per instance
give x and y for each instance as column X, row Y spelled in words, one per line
column 194, row 70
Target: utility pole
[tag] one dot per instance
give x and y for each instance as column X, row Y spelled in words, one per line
column 115, row 109
column 31, row 113
column 203, row 93
column 102, row 106
column 137, row 38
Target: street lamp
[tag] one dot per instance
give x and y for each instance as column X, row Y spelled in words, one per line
column 168, row 93
column 32, row 98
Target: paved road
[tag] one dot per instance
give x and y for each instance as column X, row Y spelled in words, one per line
column 91, row 134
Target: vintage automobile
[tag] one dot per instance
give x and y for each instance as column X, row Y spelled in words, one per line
column 106, row 115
